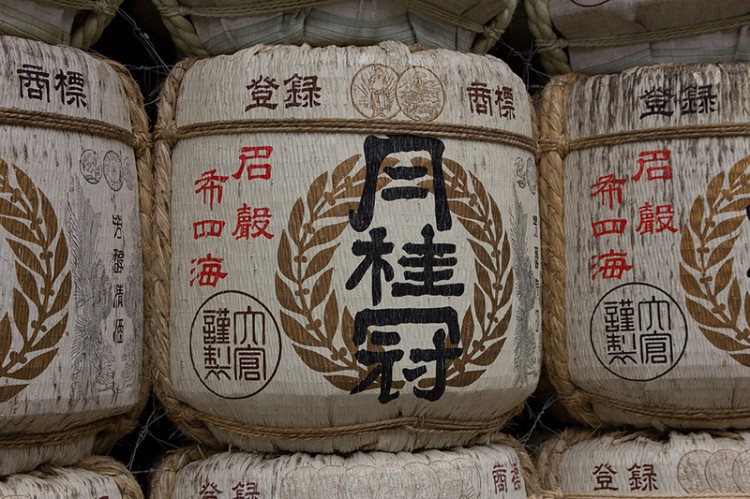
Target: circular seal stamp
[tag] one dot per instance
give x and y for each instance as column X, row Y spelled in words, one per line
column 691, row 472
column 741, row 471
column 638, row 332
column 373, row 91
column 235, row 345
column 719, row 471
column 113, row 170
column 588, row 3
column 420, row 94
column 91, row 168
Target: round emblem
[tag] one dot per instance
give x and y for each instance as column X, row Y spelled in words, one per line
column 420, row 94
column 235, row 345
column 373, row 92
column 638, row 332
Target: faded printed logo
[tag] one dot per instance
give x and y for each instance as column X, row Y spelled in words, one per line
column 379, row 92
column 425, row 304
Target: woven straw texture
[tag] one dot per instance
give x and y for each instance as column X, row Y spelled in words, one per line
column 311, row 338
column 72, row 159
column 475, row 472
column 606, row 36
column 680, row 361
column 202, row 28
column 93, row 476
column 78, row 23
column 580, row 464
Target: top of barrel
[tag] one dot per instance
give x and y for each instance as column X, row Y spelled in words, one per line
column 658, row 97
column 474, row 96
column 61, row 80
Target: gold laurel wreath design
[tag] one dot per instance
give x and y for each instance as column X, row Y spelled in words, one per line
column 707, row 270
column 28, row 216
column 309, row 277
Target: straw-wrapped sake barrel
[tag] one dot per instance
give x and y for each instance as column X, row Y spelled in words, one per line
column 498, row 470
column 607, row 36
column 577, row 465
column 203, row 27
column 645, row 181
column 73, row 133
column 78, row 23
column 349, row 248
column 95, row 477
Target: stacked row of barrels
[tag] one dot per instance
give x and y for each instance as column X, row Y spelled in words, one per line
column 327, row 255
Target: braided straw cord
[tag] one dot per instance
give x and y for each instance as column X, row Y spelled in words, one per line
column 91, row 29
column 195, row 423
column 530, row 474
column 552, row 211
column 142, row 148
column 115, row 470
column 554, row 60
column 107, row 430
column 175, row 17
column 159, row 261
column 164, row 479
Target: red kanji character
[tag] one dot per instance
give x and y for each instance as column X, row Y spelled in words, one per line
column 661, row 170
column 655, row 219
column 250, row 153
column 210, row 271
column 610, row 226
column 252, row 218
column 211, row 185
column 610, row 265
column 208, row 228
column 609, row 188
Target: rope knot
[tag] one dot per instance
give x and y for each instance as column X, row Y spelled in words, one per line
column 167, row 132
column 561, row 146
column 141, row 142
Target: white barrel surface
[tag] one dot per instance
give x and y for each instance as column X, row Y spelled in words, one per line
column 648, row 223
column 345, row 252
column 71, row 318
column 472, row 473
column 644, row 465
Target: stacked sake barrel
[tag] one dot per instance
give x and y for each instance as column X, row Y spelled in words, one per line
column 348, row 241
column 76, row 23
column 476, row 472
column 605, row 36
column 577, row 464
column 74, row 150
column 644, row 214
column 95, row 477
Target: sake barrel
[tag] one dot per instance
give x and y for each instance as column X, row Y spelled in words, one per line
column 202, row 27
column 77, row 23
column 607, row 36
column 73, row 135
column 96, row 477
column 497, row 470
column 363, row 253
column 644, row 211
column 642, row 464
